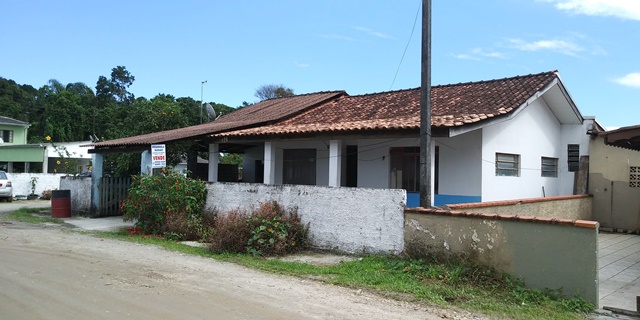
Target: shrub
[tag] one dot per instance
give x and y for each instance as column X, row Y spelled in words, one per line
column 268, row 230
column 168, row 203
column 274, row 231
column 46, row 194
column 230, row 232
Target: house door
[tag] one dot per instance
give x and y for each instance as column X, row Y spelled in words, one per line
column 299, row 166
column 259, row 173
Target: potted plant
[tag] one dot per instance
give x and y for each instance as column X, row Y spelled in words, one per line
column 33, row 195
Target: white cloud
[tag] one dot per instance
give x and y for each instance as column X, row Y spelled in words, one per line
column 300, row 65
column 336, row 36
column 479, row 53
column 465, row 57
column 625, row 9
column 561, row 46
column 630, row 80
column 374, row 33
column 489, row 54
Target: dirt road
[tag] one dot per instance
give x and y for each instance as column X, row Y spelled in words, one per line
column 47, row 272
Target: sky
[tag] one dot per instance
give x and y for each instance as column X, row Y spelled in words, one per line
column 360, row 46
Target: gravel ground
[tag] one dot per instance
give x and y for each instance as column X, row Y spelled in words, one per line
column 49, row 272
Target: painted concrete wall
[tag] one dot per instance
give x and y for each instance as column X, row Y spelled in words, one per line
column 574, row 207
column 19, row 133
column 460, row 171
column 351, row 220
column 572, row 134
column 22, row 182
column 80, row 188
column 533, row 133
column 615, row 203
column 544, row 255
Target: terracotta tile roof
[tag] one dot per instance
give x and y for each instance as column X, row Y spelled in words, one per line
column 263, row 112
column 452, row 105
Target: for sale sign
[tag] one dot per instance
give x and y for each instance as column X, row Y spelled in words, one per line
column 158, row 156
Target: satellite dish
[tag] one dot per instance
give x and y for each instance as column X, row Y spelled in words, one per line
column 211, row 114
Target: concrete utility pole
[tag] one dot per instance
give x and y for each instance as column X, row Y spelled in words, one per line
column 425, row 108
column 201, row 98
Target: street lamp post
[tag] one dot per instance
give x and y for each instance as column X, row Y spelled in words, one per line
column 201, row 98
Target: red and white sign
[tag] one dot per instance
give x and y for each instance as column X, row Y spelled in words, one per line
column 158, row 156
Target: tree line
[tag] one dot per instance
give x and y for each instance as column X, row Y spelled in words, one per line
column 76, row 112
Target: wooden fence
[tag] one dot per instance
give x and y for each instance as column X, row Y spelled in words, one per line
column 113, row 191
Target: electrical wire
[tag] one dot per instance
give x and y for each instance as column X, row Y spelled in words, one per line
column 415, row 21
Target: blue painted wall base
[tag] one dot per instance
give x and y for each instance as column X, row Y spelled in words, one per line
column 413, row 199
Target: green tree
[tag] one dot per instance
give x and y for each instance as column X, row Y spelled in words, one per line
column 270, row 91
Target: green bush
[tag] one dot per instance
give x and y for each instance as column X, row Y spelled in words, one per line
column 268, row 230
column 168, row 204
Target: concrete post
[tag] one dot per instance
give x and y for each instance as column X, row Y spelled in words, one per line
column 214, row 159
column 269, row 163
column 335, row 163
column 97, row 160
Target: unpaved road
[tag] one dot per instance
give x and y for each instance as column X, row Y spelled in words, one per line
column 48, row 272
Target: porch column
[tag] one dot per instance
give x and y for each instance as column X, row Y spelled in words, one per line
column 214, row 159
column 269, row 163
column 335, row 162
column 45, row 161
column 96, row 174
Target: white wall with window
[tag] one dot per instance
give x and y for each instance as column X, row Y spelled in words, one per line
column 532, row 133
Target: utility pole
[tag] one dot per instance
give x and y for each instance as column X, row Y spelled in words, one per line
column 425, row 108
column 201, row 98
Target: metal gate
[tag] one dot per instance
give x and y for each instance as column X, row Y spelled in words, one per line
column 112, row 192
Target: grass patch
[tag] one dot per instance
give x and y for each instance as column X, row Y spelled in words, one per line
column 30, row 215
column 445, row 284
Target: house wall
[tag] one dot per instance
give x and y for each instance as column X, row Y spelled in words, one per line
column 460, row 161
column 19, row 133
column 545, row 255
column 532, row 133
column 615, row 203
column 248, row 162
column 352, row 220
column 80, row 188
column 572, row 134
column 22, row 182
column 573, row 207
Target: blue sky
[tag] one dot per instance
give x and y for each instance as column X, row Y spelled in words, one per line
column 353, row 45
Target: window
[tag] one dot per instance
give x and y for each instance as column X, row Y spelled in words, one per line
column 405, row 168
column 549, row 167
column 299, row 166
column 7, row 136
column 507, row 165
column 573, row 157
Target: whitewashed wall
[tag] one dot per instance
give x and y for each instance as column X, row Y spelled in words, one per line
column 460, row 163
column 353, row 220
column 573, row 134
column 533, row 133
column 22, row 182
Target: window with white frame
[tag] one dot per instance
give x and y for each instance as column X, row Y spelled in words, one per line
column 549, row 167
column 507, row 164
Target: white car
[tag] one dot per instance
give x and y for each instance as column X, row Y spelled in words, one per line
column 6, row 190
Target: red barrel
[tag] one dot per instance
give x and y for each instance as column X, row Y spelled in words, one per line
column 61, row 203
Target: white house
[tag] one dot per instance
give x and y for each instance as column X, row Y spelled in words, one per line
column 509, row 138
